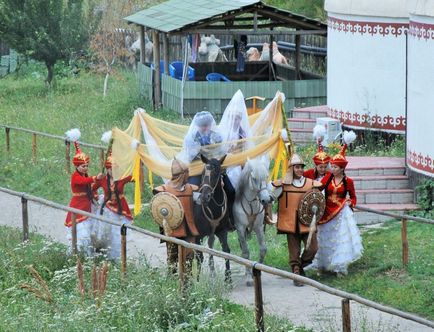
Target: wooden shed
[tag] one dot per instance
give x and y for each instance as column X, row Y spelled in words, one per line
column 224, row 17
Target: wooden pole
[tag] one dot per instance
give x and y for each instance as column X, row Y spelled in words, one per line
column 74, row 233
column 404, row 242
column 124, row 251
column 8, row 139
column 297, row 56
column 68, row 156
column 102, row 158
column 259, row 302
column 157, row 83
column 25, row 214
column 142, row 44
column 270, row 61
column 181, row 267
column 166, row 53
column 34, row 147
column 346, row 315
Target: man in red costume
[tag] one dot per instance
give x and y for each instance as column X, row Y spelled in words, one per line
column 82, row 194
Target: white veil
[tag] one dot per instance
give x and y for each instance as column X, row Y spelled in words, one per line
column 192, row 145
column 234, row 124
column 236, row 132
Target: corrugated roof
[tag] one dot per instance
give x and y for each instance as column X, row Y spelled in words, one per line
column 176, row 14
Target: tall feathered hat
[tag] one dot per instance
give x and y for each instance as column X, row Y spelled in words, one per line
column 321, row 157
column 339, row 159
column 80, row 158
column 105, row 138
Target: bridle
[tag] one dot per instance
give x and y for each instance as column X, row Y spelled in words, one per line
column 209, row 216
column 251, row 215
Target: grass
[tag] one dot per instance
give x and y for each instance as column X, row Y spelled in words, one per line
column 378, row 275
column 149, row 301
column 78, row 102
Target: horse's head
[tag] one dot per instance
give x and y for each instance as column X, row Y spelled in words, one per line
column 257, row 180
column 211, row 178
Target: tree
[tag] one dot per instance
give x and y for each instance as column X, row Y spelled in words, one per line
column 44, row 30
column 112, row 40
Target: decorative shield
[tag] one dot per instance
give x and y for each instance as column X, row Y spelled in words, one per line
column 312, row 203
column 167, row 207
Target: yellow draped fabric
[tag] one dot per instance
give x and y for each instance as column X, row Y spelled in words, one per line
column 168, row 138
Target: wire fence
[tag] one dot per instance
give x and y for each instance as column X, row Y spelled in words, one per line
column 257, row 268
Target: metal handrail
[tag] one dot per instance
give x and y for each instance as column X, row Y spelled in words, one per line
column 242, row 261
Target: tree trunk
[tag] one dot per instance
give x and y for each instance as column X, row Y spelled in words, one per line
column 50, row 75
column 106, row 84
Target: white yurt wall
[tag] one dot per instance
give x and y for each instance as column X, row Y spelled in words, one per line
column 420, row 131
column 366, row 63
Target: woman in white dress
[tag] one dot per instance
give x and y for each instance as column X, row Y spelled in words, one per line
column 339, row 241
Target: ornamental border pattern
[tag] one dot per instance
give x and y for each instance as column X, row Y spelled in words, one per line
column 367, row 121
column 420, row 162
column 372, row 28
column 421, row 30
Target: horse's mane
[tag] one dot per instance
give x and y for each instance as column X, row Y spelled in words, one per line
column 259, row 171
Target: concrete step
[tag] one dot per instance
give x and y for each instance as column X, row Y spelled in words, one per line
column 301, row 135
column 369, row 166
column 388, row 196
column 370, row 171
column 300, row 123
column 367, row 218
column 310, row 112
column 381, row 182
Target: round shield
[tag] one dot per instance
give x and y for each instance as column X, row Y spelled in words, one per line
column 166, row 206
column 312, row 203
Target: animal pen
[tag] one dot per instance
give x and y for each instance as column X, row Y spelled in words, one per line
column 192, row 91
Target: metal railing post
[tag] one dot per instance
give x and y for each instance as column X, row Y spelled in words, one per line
column 124, row 250
column 8, row 139
column 259, row 302
column 181, row 266
column 346, row 316
column 74, row 233
column 68, row 156
column 404, row 242
column 25, row 214
column 34, row 147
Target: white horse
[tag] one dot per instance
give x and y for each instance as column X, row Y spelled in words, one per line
column 248, row 210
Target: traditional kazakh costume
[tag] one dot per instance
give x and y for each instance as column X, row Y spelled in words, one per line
column 289, row 192
column 320, row 157
column 115, row 207
column 339, row 238
column 83, row 197
column 187, row 231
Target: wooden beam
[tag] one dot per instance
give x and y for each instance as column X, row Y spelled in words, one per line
column 219, row 18
column 142, row 44
column 244, row 26
column 297, row 56
column 233, row 32
column 157, row 76
column 295, row 23
column 166, row 53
